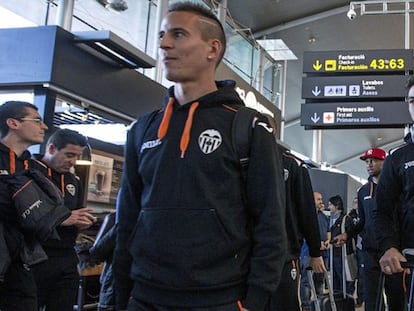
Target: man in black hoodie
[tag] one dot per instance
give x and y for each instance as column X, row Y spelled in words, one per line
column 301, row 224
column 195, row 229
column 57, row 279
column 394, row 215
column 21, row 126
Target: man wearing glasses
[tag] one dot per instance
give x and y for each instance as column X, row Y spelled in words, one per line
column 21, row 126
column 394, row 215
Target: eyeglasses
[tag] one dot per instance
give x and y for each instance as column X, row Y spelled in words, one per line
column 37, row 120
column 409, row 100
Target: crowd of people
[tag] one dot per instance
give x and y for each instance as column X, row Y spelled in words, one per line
column 200, row 225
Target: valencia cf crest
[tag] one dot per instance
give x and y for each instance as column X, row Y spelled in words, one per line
column 209, row 141
column 71, row 189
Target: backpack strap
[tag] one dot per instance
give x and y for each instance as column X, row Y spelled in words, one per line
column 242, row 129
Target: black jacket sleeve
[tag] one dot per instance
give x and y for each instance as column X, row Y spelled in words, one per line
column 104, row 248
column 387, row 197
column 266, row 206
column 128, row 207
column 308, row 219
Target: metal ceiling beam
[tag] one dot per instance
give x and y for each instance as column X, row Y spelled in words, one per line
column 301, row 21
column 383, row 146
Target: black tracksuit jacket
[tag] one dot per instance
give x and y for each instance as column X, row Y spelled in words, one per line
column 12, row 239
column 301, row 219
column 198, row 235
column 71, row 187
column 395, row 199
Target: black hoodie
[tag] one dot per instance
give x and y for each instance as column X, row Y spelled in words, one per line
column 202, row 237
column 394, row 212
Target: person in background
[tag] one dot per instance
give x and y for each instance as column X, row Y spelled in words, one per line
column 209, row 235
column 57, row 278
column 393, row 215
column 336, row 206
column 21, row 126
column 374, row 161
column 301, row 224
column 324, row 238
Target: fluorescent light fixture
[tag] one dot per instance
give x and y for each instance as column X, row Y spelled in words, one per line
column 116, row 48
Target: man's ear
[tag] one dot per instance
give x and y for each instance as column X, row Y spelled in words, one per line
column 12, row 123
column 215, row 49
column 51, row 148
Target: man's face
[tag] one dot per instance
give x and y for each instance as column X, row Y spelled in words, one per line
column 183, row 52
column 318, row 201
column 411, row 102
column 374, row 166
column 30, row 129
column 64, row 159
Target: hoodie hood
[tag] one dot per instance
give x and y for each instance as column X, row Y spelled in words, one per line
column 226, row 94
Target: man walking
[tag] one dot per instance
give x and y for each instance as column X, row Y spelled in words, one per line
column 204, row 233
column 393, row 216
column 21, row 126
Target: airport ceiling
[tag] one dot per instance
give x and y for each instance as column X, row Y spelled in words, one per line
column 320, row 25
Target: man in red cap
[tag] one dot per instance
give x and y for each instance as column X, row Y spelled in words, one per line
column 374, row 160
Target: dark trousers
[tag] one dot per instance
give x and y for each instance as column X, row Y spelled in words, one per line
column 361, row 282
column 19, row 290
column 286, row 295
column 393, row 284
column 338, row 276
column 57, row 280
column 138, row 305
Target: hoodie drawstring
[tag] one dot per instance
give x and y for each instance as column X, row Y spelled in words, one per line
column 162, row 130
column 185, row 136
column 12, row 162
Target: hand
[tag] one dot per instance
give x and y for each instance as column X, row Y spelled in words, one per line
column 317, row 264
column 81, row 218
column 390, row 262
column 340, row 239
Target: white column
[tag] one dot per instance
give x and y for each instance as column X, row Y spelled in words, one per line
column 317, row 146
column 65, row 14
column 161, row 11
column 222, row 12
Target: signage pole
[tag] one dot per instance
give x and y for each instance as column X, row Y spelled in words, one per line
column 283, row 100
column 317, row 146
column 407, row 26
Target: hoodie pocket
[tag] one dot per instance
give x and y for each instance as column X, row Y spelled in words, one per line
column 184, row 247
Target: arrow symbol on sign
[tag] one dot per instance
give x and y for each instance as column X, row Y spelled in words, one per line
column 316, row 91
column 315, row 118
column 317, row 65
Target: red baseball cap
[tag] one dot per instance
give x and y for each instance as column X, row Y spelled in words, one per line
column 376, row 153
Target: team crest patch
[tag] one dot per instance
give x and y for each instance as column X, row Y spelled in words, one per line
column 71, row 189
column 209, row 141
